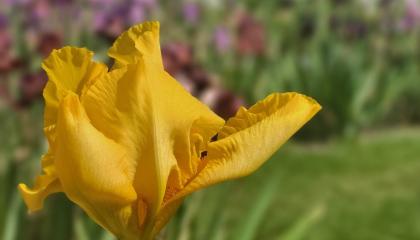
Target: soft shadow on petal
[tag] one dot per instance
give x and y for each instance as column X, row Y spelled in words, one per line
column 190, row 123
column 251, row 137
column 93, row 169
column 120, row 106
column 86, row 160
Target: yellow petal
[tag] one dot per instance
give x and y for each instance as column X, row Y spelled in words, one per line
column 132, row 107
column 165, row 215
column 120, row 107
column 44, row 186
column 182, row 125
column 251, row 137
column 93, row 169
column 148, row 112
column 87, row 160
column 68, row 69
column 141, row 40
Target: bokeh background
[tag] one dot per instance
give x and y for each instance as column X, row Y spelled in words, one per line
column 352, row 173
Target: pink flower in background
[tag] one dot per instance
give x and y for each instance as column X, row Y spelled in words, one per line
column 39, row 9
column 136, row 14
column 111, row 22
column 250, row 36
column 138, row 10
column 412, row 14
column 7, row 61
column 222, row 39
column 16, row 2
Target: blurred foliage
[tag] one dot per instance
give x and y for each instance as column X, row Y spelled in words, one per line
column 360, row 64
column 360, row 59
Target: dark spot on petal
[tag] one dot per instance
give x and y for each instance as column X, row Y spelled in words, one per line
column 203, row 155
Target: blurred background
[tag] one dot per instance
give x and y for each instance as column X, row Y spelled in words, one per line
column 352, row 173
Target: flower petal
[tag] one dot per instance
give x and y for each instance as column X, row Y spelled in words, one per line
column 141, row 40
column 120, row 107
column 44, row 186
column 142, row 107
column 251, row 137
column 93, row 169
column 131, row 106
column 88, row 161
column 68, row 69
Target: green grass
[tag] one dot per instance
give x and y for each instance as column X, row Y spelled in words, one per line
column 365, row 189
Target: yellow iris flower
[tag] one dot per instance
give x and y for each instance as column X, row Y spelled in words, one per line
column 128, row 144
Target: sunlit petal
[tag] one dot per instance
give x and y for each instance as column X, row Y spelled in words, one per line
column 139, row 41
column 251, row 137
column 68, row 69
column 162, row 127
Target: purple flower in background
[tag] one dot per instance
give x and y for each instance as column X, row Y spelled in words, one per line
column 39, row 9
column 101, row 3
column 115, row 22
column 7, row 61
column 3, row 21
column 191, row 12
column 111, row 20
column 412, row 14
column 16, row 2
column 111, row 17
column 222, row 39
column 99, row 18
column 136, row 14
column 138, row 10
column 5, row 39
column 145, row 3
